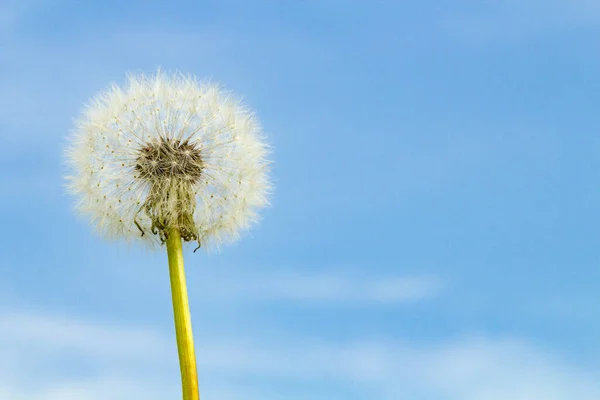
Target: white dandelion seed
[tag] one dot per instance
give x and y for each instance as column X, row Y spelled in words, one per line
column 168, row 152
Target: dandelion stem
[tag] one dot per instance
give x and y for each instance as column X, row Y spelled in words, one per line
column 183, row 320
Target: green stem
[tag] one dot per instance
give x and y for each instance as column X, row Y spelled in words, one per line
column 183, row 320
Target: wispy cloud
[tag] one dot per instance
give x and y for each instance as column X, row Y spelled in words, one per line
column 74, row 335
column 328, row 287
column 471, row 368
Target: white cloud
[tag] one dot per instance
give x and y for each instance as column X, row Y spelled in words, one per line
column 471, row 368
column 342, row 288
column 74, row 335
column 102, row 388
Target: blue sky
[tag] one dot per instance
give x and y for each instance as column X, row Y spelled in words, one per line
column 433, row 233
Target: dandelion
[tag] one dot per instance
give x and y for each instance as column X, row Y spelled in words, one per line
column 169, row 159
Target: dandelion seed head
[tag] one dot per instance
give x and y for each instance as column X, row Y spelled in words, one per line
column 167, row 152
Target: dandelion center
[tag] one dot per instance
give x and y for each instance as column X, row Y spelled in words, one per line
column 169, row 158
column 170, row 167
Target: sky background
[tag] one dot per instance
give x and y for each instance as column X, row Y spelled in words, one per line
column 433, row 234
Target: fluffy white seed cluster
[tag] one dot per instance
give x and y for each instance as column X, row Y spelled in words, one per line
column 168, row 152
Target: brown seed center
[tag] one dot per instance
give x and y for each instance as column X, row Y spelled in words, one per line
column 172, row 158
column 170, row 167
